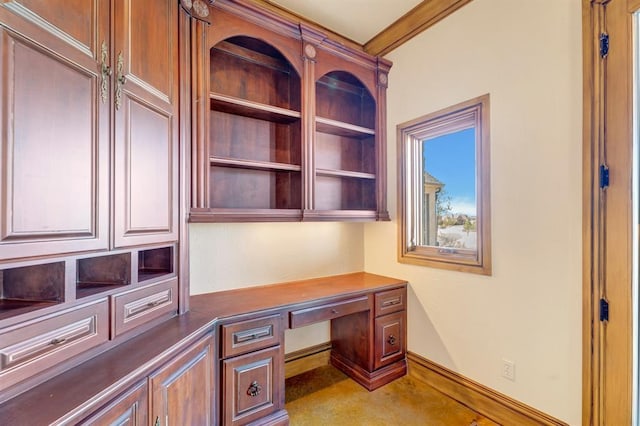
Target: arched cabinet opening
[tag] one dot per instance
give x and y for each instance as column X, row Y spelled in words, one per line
column 345, row 144
column 254, row 132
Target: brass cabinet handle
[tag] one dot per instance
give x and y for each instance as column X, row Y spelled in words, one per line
column 105, row 72
column 254, row 389
column 121, row 79
column 392, row 340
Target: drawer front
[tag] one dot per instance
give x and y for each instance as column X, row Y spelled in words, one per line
column 139, row 306
column 391, row 301
column 328, row 311
column 43, row 343
column 252, row 386
column 246, row 336
column 389, row 339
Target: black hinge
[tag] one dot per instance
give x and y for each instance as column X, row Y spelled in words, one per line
column 604, row 45
column 604, row 310
column 604, row 176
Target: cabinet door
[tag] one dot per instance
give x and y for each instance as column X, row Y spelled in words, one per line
column 389, row 339
column 146, row 122
column 252, row 386
column 129, row 409
column 182, row 391
column 54, row 126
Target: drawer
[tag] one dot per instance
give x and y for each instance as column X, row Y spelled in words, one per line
column 136, row 307
column 328, row 311
column 43, row 343
column 252, row 386
column 246, row 336
column 389, row 339
column 390, row 301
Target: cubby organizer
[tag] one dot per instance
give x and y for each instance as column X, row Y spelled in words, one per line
column 26, row 288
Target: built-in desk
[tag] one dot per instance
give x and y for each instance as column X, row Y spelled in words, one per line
column 227, row 355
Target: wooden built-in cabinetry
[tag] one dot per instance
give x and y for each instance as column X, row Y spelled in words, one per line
column 89, row 179
column 223, row 361
column 120, row 120
column 295, row 125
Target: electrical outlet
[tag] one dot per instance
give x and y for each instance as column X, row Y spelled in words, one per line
column 509, row 370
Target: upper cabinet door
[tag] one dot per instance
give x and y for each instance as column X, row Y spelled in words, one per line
column 54, row 126
column 146, row 122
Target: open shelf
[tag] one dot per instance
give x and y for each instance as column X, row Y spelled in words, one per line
column 242, row 188
column 101, row 273
column 339, row 128
column 26, row 288
column 256, row 165
column 233, row 105
column 344, row 193
column 155, row 263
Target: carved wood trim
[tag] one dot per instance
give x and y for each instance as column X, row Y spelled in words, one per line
column 418, row 19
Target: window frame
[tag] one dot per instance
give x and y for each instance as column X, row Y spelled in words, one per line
column 472, row 113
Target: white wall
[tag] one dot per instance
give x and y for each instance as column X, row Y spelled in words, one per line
column 527, row 55
column 226, row 256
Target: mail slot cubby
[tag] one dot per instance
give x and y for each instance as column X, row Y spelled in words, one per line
column 154, row 263
column 102, row 273
column 27, row 288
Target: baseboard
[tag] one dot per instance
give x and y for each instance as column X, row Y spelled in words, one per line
column 481, row 399
column 306, row 359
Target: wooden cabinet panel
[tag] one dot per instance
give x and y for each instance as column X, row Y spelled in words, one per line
column 129, row 409
column 74, row 21
column 389, row 339
column 302, row 317
column 54, row 127
column 31, row 348
column 245, row 336
column 387, row 302
column 146, row 123
column 182, row 391
column 252, row 386
column 140, row 306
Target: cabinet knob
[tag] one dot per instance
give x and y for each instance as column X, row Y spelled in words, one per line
column 254, row 389
column 392, row 340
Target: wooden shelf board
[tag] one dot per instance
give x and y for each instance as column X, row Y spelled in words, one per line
column 11, row 307
column 340, row 215
column 339, row 128
column 198, row 215
column 344, row 173
column 233, row 105
column 254, row 164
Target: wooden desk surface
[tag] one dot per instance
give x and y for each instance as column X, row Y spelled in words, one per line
column 252, row 299
column 87, row 386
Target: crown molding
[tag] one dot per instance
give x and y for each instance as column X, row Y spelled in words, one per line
column 418, row 19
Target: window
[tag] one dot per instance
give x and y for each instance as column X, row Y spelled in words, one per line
column 443, row 189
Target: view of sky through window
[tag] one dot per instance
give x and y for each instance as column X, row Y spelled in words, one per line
column 451, row 160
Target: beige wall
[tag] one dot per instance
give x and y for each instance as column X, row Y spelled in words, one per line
column 527, row 55
column 226, row 256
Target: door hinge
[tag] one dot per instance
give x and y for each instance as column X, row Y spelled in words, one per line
column 604, row 310
column 604, row 45
column 604, row 176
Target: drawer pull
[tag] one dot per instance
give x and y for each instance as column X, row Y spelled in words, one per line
column 392, row 340
column 334, row 311
column 154, row 303
column 254, row 389
column 391, row 302
column 253, row 334
column 57, row 341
